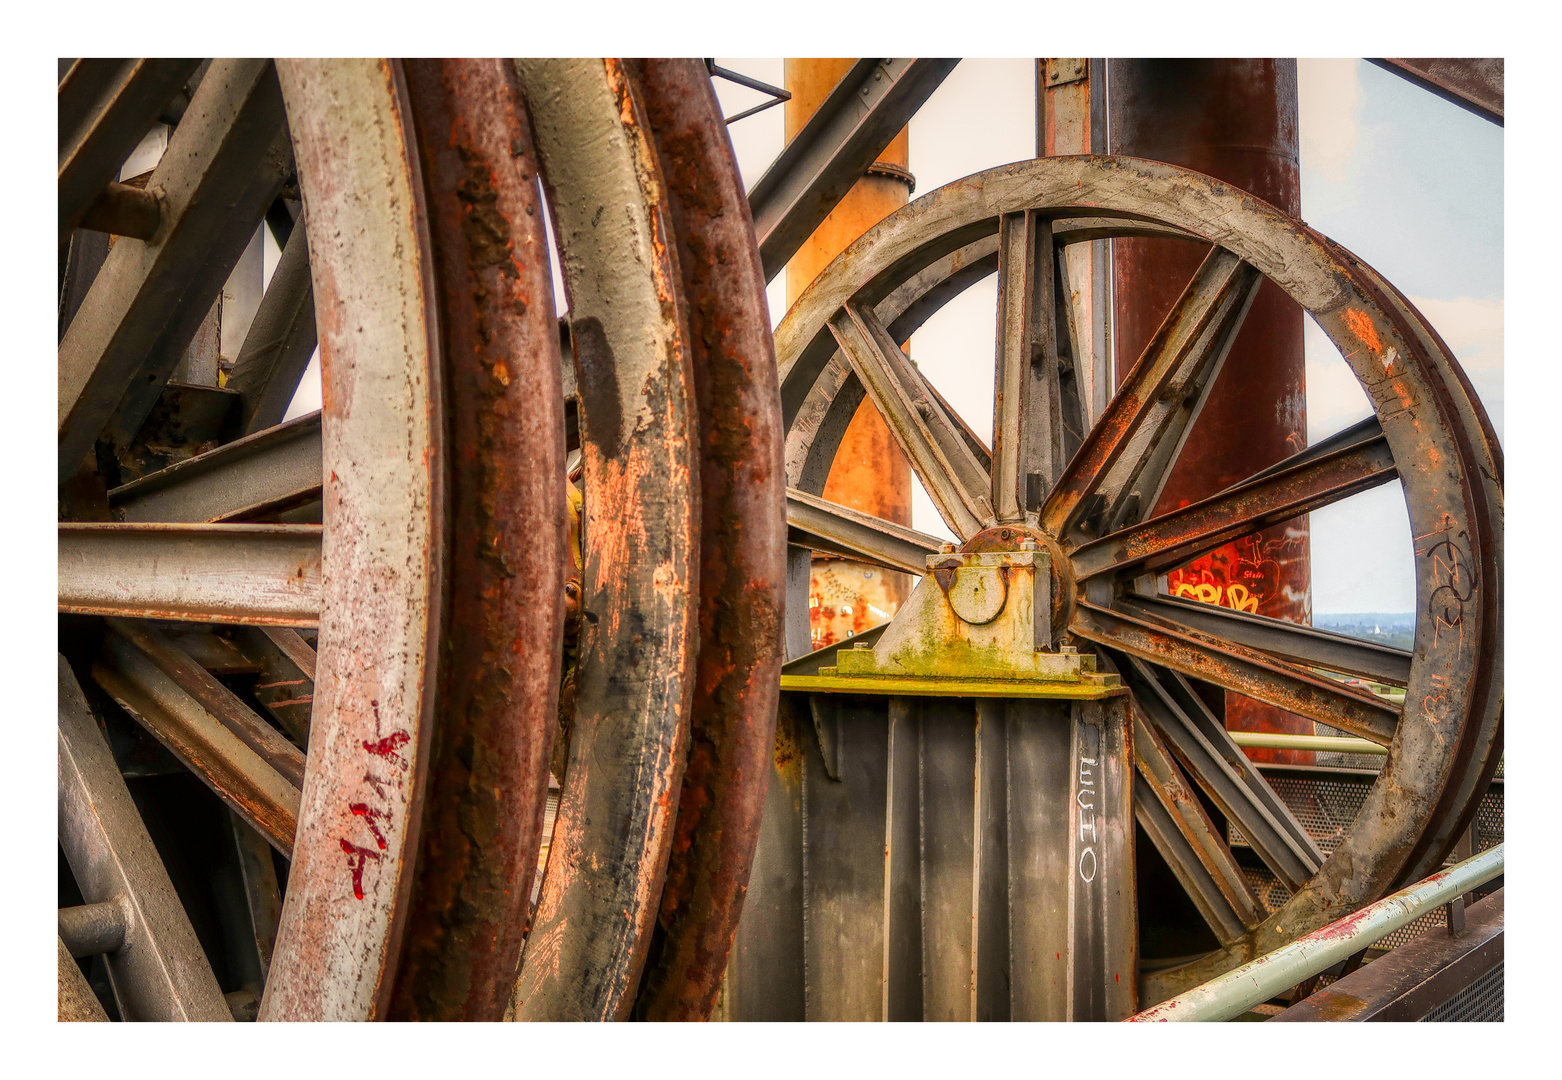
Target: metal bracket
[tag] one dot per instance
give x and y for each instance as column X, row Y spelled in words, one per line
column 1061, row 72
column 975, row 617
column 777, row 95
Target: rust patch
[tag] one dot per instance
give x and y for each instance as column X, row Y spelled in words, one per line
column 504, row 607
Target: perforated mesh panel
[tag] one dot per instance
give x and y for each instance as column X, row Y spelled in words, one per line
column 1326, row 809
column 1480, row 1002
column 1490, row 820
column 1272, row 894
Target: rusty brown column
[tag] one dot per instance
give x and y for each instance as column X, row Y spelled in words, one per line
column 1235, row 120
column 870, row 471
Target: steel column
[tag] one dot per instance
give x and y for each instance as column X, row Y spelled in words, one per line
column 871, row 474
column 958, row 859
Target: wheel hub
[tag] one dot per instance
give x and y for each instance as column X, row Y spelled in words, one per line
column 1012, row 536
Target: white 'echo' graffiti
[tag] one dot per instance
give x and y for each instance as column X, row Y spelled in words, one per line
column 1086, row 799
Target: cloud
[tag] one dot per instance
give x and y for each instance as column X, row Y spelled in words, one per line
column 1473, row 329
column 1329, row 97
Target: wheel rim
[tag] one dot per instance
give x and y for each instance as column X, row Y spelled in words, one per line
column 838, row 344
column 742, row 544
column 496, row 715
column 382, row 596
column 638, row 589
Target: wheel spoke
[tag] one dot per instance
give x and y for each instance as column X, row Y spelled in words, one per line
column 214, row 697
column 1196, row 737
column 839, row 530
column 261, row 574
column 1171, row 540
column 280, row 341
column 954, row 479
column 973, row 441
column 272, row 470
column 1291, row 641
column 1357, row 434
column 224, row 166
column 162, row 972
column 1036, row 414
column 219, row 758
column 286, row 687
column 105, row 107
column 1244, row 671
column 262, row 893
column 1182, row 832
column 1125, row 459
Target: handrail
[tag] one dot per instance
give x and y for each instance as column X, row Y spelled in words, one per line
column 1332, row 744
column 1234, row 993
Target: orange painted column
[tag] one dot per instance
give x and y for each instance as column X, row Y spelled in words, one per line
column 871, row 473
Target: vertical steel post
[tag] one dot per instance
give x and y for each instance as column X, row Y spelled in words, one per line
column 870, row 472
column 1235, row 120
column 1071, row 119
column 1070, row 860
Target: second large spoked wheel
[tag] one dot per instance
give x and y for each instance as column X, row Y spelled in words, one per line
column 1086, row 488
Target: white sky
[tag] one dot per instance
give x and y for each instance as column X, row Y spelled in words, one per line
column 1408, row 182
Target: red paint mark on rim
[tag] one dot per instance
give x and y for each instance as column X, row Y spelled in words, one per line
column 358, row 858
column 387, row 747
column 370, row 816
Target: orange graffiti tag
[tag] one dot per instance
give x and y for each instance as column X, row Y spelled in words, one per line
column 1236, row 597
column 1361, row 325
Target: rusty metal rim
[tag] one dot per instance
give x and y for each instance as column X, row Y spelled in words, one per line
column 499, row 668
column 639, row 594
column 1368, row 331
column 742, row 544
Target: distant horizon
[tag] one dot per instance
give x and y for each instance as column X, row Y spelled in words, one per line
column 1364, row 616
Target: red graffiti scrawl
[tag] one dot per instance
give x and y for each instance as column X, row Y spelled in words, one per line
column 370, row 815
column 387, row 747
column 357, row 858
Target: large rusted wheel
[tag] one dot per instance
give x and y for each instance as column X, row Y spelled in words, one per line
column 409, row 581
column 1086, row 488
column 412, row 824
column 683, row 543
